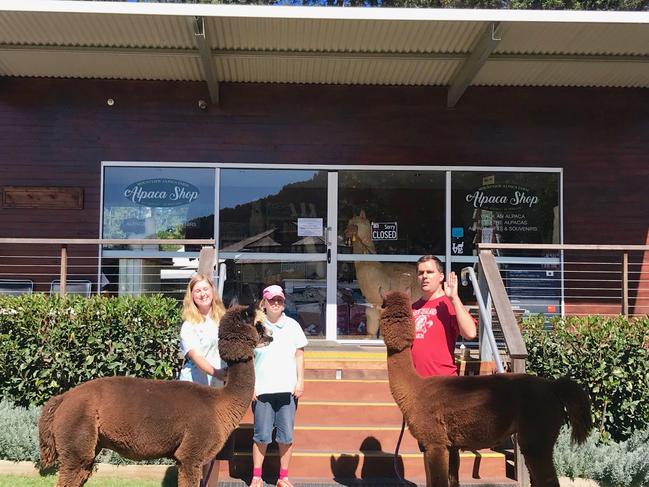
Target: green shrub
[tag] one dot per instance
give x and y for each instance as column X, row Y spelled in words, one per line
column 48, row 344
column 608, row 356
column 18, row 432
column 611, row 464
column 19, row 437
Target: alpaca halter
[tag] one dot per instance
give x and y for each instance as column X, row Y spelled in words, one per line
column 356, row 237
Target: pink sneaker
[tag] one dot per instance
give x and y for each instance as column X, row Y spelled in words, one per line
column 257, row 482
column 285, row 482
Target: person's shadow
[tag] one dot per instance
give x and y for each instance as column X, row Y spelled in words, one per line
column 379, row 467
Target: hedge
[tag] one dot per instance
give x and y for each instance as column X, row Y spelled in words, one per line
column 608, row 356
column 48, row 344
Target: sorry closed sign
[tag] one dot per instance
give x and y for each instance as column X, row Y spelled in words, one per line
column 384, row 231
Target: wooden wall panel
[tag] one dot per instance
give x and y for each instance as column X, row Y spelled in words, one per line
column 57, row 132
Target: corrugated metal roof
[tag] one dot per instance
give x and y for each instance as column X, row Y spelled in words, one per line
column 323, row 45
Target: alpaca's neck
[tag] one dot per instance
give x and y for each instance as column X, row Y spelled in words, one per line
column 366, row 274
column 404, row 380
column 237, row 393
column 360, row 246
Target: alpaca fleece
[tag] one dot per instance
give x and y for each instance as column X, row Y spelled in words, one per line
column 145, row 419
column 447, row 414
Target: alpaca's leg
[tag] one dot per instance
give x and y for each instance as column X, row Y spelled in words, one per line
column 73, row 475
column 189, row 475
column 541, row 468
column 453, row 467
column 436, row 463
column 76, row 441
column 372, row 315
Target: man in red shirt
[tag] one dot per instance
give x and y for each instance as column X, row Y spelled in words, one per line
column 439, row 318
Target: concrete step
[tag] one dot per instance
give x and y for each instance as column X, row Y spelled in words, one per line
column 340, row 438
column 348, row 424
column 366, row 465
column 343, row 413
column 332, row 389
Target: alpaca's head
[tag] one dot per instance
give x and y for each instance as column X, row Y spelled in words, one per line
column 358, row 227
column 397, row 325
column 240, row 331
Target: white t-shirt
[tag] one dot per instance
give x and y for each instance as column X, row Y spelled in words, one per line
column 275, row 364
column 204, row 338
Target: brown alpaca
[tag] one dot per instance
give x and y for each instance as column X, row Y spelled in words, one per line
column 373, row 276
column 145, row 419
column 450, row 413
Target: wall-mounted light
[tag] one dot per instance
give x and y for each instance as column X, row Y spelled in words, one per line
column 202, row 104
column 110, row 102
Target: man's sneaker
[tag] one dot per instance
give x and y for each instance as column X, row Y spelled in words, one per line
column 285, row 482
column 257, row 482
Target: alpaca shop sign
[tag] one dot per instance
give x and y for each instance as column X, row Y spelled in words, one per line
column 498, row 197
column 161, row 192
column 384, row 230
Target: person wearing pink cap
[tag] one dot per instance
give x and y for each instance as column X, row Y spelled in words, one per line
column 279, row 383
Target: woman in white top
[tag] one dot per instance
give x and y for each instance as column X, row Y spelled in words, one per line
column 202, row 311
column 279, row 383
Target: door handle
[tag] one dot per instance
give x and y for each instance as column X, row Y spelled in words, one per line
column 328, row 256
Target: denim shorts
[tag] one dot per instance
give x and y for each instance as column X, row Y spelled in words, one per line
column 274, row 411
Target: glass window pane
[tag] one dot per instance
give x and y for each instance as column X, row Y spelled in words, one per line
column 503, row 208
column 304, row 283
column 391, row 212
column 158, row 203
column 272, row 210
column 358, row 294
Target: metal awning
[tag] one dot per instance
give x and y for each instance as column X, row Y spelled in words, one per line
column 323, row 45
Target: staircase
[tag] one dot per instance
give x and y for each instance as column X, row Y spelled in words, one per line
column 347, row 427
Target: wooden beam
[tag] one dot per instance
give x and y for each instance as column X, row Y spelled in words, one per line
column 206, row 261
column 511, row 331
column 483, row 47
column 205, row 54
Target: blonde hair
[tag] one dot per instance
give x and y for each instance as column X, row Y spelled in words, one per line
column 190, row 311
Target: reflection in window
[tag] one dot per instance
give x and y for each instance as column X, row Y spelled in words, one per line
column 391, row 212
column 158, row 203
column 360, row 284
column 304, row 284
column 503, row 208
column 272, row 210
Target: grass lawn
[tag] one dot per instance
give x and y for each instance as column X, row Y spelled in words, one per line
column 50, row 481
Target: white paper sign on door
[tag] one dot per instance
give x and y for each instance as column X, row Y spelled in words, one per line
column 309, row 227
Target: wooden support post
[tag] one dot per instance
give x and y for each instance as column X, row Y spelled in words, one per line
column 625, row 284
column 522, row 475
column 206, row 261
column 64, row 270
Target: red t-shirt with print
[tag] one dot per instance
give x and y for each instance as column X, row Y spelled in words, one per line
column 436, row 332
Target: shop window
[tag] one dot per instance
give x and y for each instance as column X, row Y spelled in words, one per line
column 391, row 212
column 503, row 207
column 278, row 211
column 158, row 203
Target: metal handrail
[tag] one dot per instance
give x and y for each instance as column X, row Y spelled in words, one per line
column 624, row 249
column 512, row 334
column 108, row 241
column 64, row 242
column 485, row 315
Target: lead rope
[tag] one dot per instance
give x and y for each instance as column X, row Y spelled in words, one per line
column 396, row 453
column 206, row 479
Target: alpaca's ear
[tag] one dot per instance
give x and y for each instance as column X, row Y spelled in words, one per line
column 362, row 215
column 382, row 294
column 234, row 302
